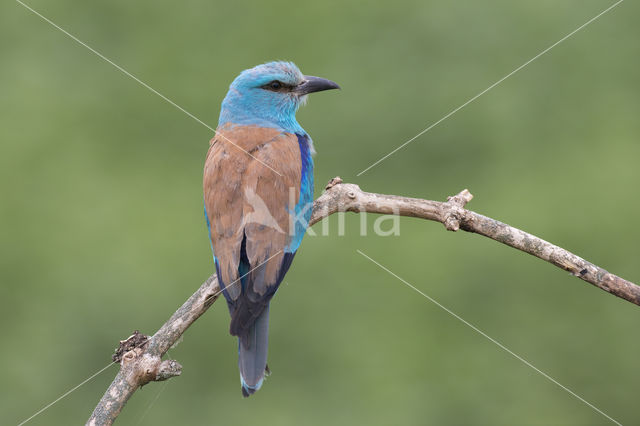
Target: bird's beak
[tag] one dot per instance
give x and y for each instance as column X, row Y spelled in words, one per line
column 314, row 84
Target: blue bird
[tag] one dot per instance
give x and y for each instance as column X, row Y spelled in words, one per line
column 258, row 195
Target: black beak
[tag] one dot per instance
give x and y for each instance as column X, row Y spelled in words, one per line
column 315, row 84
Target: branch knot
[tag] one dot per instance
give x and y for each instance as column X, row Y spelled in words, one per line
column 126, row 349
column 333, row 182
column 454, row 210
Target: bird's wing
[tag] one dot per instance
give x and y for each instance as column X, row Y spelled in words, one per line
column 251, row 184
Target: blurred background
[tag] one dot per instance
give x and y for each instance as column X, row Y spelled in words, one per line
column 102, row 230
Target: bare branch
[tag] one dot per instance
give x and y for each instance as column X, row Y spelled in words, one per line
column 142, row 361
column 453, row 215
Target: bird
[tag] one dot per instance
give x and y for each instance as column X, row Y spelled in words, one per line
column 258, row 198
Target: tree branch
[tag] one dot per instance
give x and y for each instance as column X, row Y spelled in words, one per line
column 142, row 362
column 452, row 214
column 141, row 357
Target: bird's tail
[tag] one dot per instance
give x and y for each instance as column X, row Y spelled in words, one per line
column 252, row 354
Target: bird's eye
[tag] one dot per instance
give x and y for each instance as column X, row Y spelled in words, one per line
column 275, row 85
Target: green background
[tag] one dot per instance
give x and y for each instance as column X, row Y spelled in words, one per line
column 102, row 230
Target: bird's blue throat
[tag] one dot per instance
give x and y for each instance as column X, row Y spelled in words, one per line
column 248, row 108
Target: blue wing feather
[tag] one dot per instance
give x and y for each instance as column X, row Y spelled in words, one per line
column 305, row 202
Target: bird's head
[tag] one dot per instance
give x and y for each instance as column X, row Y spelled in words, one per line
column 269, row 95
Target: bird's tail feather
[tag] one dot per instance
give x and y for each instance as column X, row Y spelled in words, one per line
column 252, row 354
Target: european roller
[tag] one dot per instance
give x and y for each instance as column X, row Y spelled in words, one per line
column 258, row 194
